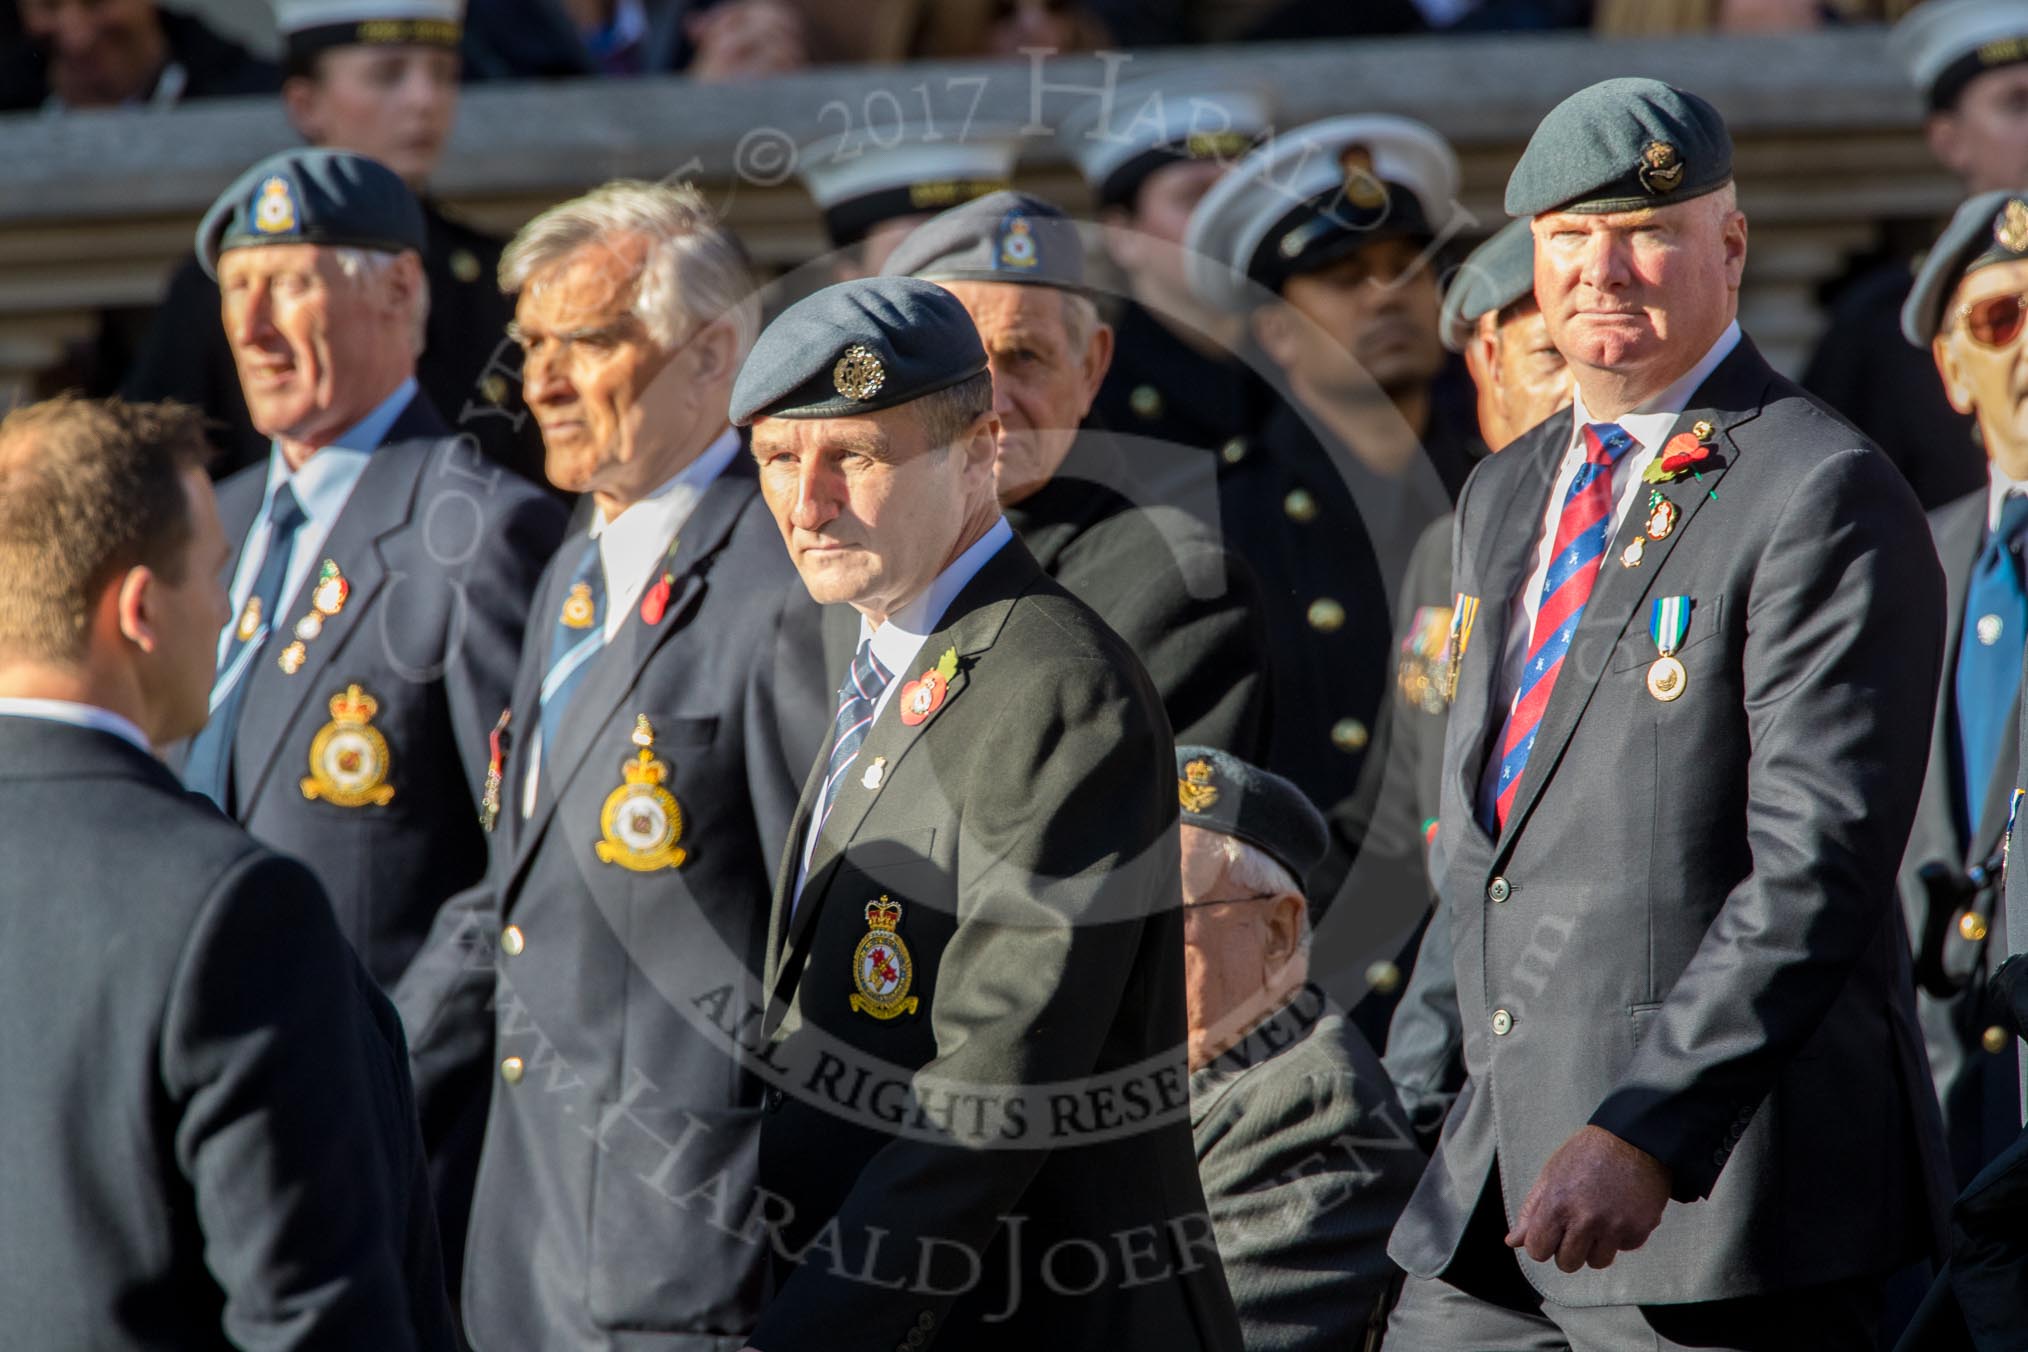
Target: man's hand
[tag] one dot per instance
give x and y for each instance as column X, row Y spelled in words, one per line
column 1596, row 1196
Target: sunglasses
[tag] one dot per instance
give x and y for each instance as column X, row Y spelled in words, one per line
column 1995, row 321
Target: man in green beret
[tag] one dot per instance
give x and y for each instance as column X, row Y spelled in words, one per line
column 1698, row 630
column 976, row 1131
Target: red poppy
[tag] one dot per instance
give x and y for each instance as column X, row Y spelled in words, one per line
column 655, row 602
column 922, row 697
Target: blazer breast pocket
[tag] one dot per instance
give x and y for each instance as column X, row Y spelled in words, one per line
column 1637, row 647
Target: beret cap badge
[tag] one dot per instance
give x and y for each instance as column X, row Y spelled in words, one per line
column 858, row 374
column 2010, row 231
column 274, row 210
column 1661, row 168
column 1195, row 791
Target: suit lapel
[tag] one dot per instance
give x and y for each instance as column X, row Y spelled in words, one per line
column 377, row 511
column 617, row 668
column 1738, row 385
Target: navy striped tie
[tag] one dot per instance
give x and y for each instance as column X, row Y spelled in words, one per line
column 575, row 638
column 858, row 699
column 208, row 766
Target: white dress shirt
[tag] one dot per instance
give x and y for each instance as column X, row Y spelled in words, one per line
column 322, row 487
column 78, row 716
column 1649, row 426
column 1998, row 486
column 632, row 547
column 898, row 642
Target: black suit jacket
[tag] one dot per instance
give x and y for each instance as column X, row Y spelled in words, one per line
column 1979, row 1103
column 1189, row 610
column 1032, row 1100
column 210, row 1142
column 624, row 992
column 1686, row 932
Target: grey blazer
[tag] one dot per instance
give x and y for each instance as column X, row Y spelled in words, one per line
column 1686, row 932
column 621, row 990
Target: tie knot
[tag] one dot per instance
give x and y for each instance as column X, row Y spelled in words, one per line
column 2013, row 518
column 871, row 677
column 285, row 513
column 1605, row 443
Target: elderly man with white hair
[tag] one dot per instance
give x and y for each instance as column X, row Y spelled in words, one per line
column 642, row 790
column 1305, row 1154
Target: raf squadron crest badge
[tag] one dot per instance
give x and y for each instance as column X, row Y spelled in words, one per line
column 348, row 756
column 641, row 821
column 1195, row 791
column 882, row 969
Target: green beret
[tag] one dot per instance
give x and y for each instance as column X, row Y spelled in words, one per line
column 1990, row 228
column 330, row 197
column 1622, row 145
column 857, row 347
column 1498, row 273
column 1002, row 237
column 1220, row 792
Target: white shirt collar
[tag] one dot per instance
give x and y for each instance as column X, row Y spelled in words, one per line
column 78, row 716
column 633, row 544
column 327, row 477
column 897, row 642
column 1650, row 423
column 1998, row 486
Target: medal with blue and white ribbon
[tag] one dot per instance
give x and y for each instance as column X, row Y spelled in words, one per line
column 1669, row 622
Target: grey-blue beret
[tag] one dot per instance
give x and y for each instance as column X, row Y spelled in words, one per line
column 1005, row 236
column 1220, row 792
column 1622, row 145
column 1990, row 228
column 309, row 196
column 1495, row 275
column 857, row 347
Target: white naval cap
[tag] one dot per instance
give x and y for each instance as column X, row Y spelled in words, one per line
column 1118, row 142
column 863, row 178
column 1315, row 195
column 309, row 27
column 1946, row 44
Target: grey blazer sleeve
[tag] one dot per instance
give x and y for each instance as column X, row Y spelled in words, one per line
column 1843, row 637
column 280, row 1127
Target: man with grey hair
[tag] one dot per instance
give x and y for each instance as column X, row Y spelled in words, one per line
column 1189, row 609
column 1305, row 1154
column 642, row 783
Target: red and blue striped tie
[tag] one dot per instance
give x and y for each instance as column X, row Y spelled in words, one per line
column 1581, row 534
